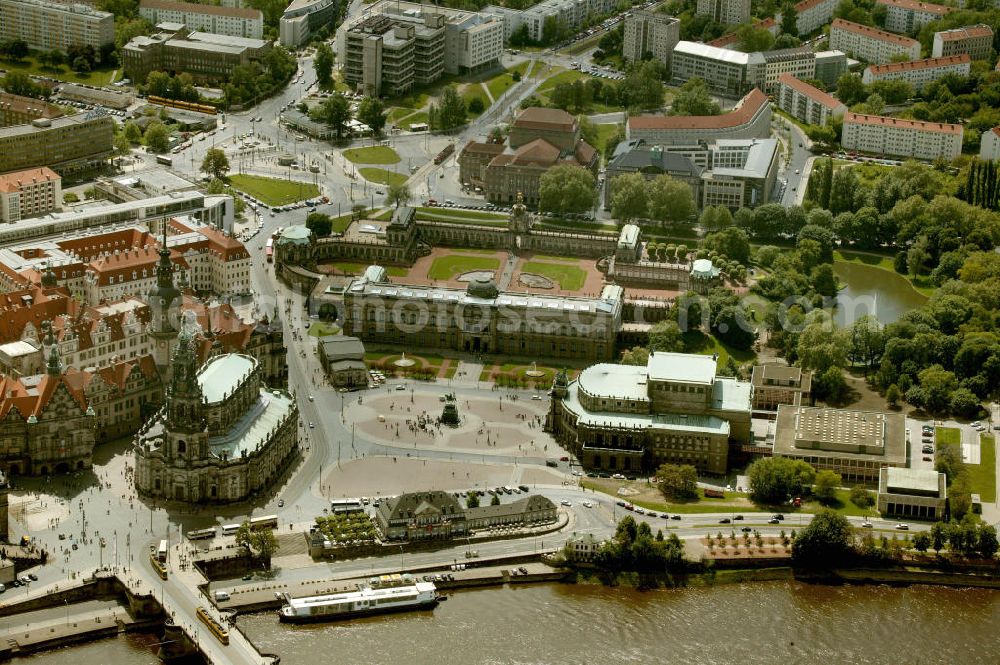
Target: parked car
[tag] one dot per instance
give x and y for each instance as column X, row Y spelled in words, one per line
column 738, row 517
column 773, row 521
column 725, row 520
column 903, row 527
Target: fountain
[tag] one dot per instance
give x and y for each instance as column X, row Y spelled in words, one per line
column 534, row 372
column 404, row 361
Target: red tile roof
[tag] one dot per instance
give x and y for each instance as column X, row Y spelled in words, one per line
column 536, row 117
column 809, row 91
column 915, row 5
column 926, row 63
column 968, row 32
column 886, row 121
column 872, row 33
column 12, row 182
column 745, row 110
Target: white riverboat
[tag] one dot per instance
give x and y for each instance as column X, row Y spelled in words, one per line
column 363, row 602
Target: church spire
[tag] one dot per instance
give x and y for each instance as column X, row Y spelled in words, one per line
column 184, row 395
column 54, row 366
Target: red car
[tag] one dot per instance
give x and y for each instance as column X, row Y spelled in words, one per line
column 563, row 459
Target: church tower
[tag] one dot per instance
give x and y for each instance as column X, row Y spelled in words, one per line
column 186, row 431
column 165, row 303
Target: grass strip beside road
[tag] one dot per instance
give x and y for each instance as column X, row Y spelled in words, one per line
column 569, row 277
column 273, row 191
column 449, row 267
column 98, row 78
column 984, row 474
column 381, row 176
column 378, row 154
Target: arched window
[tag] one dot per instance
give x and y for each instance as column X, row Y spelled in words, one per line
column 181, row 447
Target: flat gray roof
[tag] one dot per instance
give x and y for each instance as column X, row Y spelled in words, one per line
column 221, row 375
column 681, row 367
column 720, row 54
column 615, row 381
column 920, row 480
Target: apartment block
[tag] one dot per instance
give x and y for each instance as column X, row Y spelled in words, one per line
column 29, row 193
column 903, row 138
column 397, row 45
column 651, row 32
column 207, row 57
column 18, row 110
column 67, row 145
column 919, row 72
column 976, row 40
column 730, row 12
column 729, row 73
column 989, row 145
column 811, row 15
column 798, row 62
column 572, row 14
column 908, row 16
column 51, row 26
column 304, row 17
column 870, row 44
column 749, row 119
column 807, row 103
column 829, row 66
column 231, row 21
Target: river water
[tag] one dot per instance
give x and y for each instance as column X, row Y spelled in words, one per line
column 554, row 624
column 870, row 290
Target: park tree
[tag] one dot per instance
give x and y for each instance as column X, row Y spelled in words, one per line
column 132, row 132
column 472, row 499
column 14, row 49
column 323, row 64
column 987, row 544
column 122, row 145
column 773, row 480
column 157, row 137
column 678, row 482
column 19, row 83
column 628, row 197
column 789, row 20
column 319, row 224
column 922, row 541
column 260, row 542
column 826, row 542
column 335, row 111
column 825, row 487
column 939, row 536
column 567, row 189
column 730, row 242
column 694, row 99
column 851, row 89
column 398, row 194
column 669, row 200
column 715, row 218
column 867, row 342
column 371, row 111
column 495, row 501
column 215, row 163
column 862, row 497
column 666, row 336
column 450, row 111
column 751, row 39
column 637, row 355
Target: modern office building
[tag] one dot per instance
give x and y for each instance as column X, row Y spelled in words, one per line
column 18, row 110
column 919, row 73
column 908, row 16
column 807, row 103
column 208, row 58
column 918, row 493
column 855, row 444
column 989, row 145
column 652, row 161
column 67, row 144
column 799, row 62
column 749, row 119
column 633, row 418
column 649, row 32
column 571, row 14
column 29, row 193
column 882, row 135
column 231, row 21
column 302, row 18
column 397, row 45
column 54, row 26
column 976, row 40
column 728, row 12
column 870, row 44
column 743, row 173
column 829, row 66
column 779, row 384
column 482, row 319
column 726, row 72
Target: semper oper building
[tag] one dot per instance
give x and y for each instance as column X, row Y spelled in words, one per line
column 634, row 418
column 222, row 435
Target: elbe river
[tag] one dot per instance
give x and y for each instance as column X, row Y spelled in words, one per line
column 786, row 623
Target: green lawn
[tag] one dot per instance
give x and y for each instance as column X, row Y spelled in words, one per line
column 569, row 277
column 98, row 78
column 604, row 132
column 320, row 329
column 984, row 474
column 358, row 268
column 378, row 154
column 500, row 83
column 449, row 267
column 273, row 191
column 948, row 436
column 459, row 213
column 431, row 217
column 414, row 119
column 922, row 284
column 381, row 176
column 696, row 341
column 475, row 91
column 398, row 113
column 565, row 76
column 556, row 224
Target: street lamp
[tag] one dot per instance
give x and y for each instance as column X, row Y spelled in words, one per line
column 400, row 558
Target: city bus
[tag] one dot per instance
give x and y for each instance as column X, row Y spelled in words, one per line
column 269, row 250
column 201, row 534
column 230, row 529
column 161, row 552
column 346, row 505
column 265, row 522
column 163, row 159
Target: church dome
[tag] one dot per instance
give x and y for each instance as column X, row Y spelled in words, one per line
column 483, row 288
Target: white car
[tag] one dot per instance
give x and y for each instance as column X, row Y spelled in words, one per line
column 866, row 525
column 903, row 527
column 311, row 398
column 566, row 502
column 588, row 504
